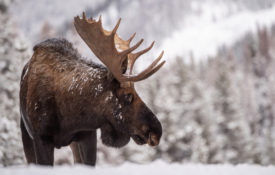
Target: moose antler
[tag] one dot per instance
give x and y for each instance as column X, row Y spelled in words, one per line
column 103, row 44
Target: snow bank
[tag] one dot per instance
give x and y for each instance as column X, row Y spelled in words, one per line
column 158, row 167
column 202, row 37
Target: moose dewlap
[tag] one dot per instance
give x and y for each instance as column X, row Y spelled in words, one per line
column 63, row 99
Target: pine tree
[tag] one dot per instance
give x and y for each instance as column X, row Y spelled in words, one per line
column 13, row 54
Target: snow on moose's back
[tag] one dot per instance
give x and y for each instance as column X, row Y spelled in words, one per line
column 158, row 167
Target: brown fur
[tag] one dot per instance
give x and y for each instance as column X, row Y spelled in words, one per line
column 64, row 99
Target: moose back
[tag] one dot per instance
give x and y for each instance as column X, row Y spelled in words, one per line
column 64, row 99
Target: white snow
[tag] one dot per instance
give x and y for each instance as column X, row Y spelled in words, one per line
column 157, row 167
column 26, row 72
column 109, row 97
column 201, row 36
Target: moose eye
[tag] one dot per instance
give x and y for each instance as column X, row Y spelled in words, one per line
column 128, row 98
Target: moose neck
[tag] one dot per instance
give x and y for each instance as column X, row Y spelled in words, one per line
column 87, row 86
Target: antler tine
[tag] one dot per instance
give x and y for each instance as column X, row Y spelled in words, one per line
column 99, row 19
column 152, row 71
column 100, row 24
column 131, row 38
column 116, row 27
column 84, row 15
column 145, row 50
column 148, row 71
column 135, row 56
column 123, row 44
column 127, row 51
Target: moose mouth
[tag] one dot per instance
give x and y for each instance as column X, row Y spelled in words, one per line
column 152, row 139
column 140, row 140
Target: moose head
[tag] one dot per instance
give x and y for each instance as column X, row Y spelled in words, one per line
column 64, row 99
column 132, row 116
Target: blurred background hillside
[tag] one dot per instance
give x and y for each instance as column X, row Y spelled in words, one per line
column 215, row 96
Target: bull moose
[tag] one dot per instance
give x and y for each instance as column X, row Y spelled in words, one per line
column 65, row 98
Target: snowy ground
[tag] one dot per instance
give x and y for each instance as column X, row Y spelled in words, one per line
column 158, row 167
